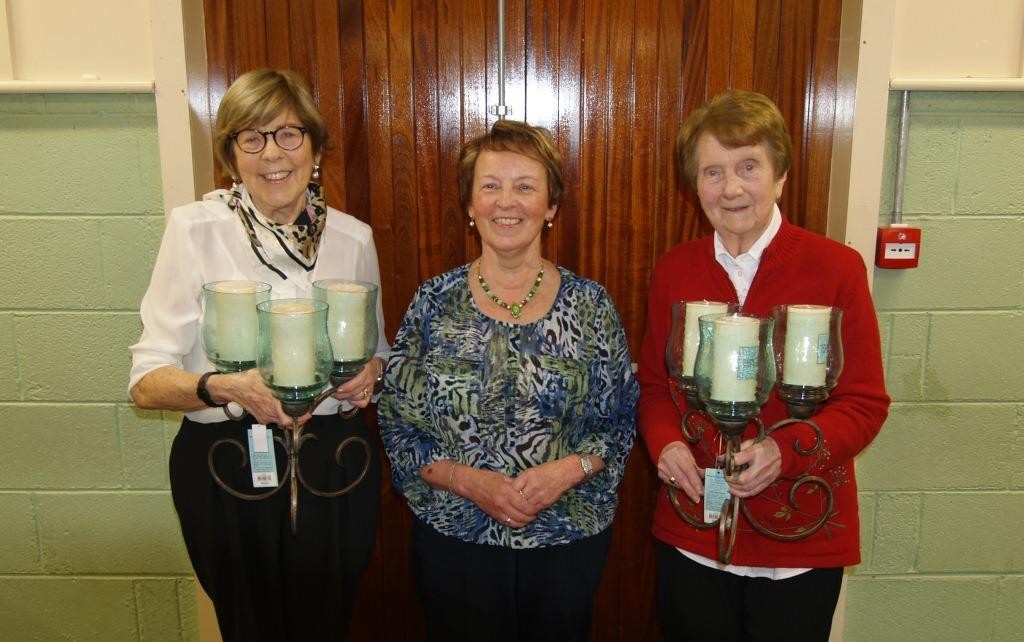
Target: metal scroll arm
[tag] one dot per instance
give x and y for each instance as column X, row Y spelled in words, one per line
column 292, row 442
column 728, row 521
column 685, row 399
column 800, row 482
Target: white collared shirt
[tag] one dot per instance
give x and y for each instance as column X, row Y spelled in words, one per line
column 743, row 268
column 204, row 241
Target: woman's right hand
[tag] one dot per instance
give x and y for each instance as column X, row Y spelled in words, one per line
column 677, row 468
column 248, row 390
column 494, row 494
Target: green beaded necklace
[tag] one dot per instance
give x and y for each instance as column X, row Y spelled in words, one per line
column 515, row 309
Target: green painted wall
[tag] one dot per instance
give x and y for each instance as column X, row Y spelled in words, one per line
column 92, row 549
column 91, row 546
column 942, row 488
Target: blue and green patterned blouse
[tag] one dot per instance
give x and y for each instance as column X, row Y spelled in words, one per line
column 506, row 397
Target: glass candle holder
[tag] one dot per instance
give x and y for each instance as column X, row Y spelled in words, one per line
column 229, row 325
column 294, row 356
column 684, row 336
column 735, row 368
column 808, row 354
column 351, row 323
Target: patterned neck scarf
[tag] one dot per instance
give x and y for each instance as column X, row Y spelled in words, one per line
column 273, row 243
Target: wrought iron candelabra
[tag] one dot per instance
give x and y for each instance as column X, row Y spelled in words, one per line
column 305, row 350
column 739, row 360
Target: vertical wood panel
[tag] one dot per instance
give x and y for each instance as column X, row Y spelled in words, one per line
column 695, row 91
column 404, row 83
column 541, row 93
column 424, row 122
column 743, row 48
column 766, row 62
column 352, row 173
column 594, row 101
column 569, row 129
column 719, row 39
column 399, row 236
column 325, row 75
column 276, row 16
column 617, row 230
column 821, row 115
column 454, row 231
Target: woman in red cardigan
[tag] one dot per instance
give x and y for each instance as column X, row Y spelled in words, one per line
column 736, row 152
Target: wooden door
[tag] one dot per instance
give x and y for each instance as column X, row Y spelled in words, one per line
column 404, row 82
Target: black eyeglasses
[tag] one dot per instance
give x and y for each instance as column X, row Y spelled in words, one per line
column 252, row 141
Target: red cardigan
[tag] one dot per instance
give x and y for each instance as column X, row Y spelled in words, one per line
column 797, row 267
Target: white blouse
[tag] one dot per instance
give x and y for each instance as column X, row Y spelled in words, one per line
column 204, row 242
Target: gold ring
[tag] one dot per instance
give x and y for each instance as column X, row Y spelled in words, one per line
column 672, row 480
column 365, row 393
column 508, row 519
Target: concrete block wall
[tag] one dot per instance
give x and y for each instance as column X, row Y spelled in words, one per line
column 942, row 488
column 91, row 546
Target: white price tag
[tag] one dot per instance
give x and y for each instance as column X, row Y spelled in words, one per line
column 716, row 492
column 261, row 457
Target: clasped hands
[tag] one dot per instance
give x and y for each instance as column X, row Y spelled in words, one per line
column 760, row 463
column 516, row 501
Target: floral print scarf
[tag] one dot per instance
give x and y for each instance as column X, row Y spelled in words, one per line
column 273, row 243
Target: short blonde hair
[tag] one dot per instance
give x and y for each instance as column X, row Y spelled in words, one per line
column 260, row 96
column 512, row 136
column 736, row 118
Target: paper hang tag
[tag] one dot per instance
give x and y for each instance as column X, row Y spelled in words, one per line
column 261, row 457
column 716, row 492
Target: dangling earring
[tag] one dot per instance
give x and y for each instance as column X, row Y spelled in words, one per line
column 316, row 171
column 472, row 222
column 550, row 224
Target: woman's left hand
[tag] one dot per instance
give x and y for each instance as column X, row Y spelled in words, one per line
column 358, row 390
column 542, row 485
column 764, row 464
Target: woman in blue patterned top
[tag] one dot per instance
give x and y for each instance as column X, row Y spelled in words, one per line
column 508, row 413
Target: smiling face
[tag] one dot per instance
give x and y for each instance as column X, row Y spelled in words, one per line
column 277, row 179
column 737, row 189
column 509, row 201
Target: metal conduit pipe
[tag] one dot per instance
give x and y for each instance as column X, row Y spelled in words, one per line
column 901, row 158
column 500, row 109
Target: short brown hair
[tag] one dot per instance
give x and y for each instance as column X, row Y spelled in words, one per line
column 735, row 118
column 512, row 136
column 260, row 96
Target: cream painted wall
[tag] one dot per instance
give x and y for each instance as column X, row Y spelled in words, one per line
column 951, row 39
column 79, row 40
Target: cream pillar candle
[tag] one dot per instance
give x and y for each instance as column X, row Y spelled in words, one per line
column 691, row 329
column 293, row 346
column 806, row 349
column 734, row 358
column 235, row 311
column 346, row 320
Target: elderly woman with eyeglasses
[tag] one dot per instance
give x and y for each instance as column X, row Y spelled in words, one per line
column 271, row 226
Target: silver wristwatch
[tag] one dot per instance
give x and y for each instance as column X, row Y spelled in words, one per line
column 587, row 466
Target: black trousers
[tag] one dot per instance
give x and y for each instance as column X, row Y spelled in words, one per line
column 483, row 593
column 700, row 603
column 265, row 582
